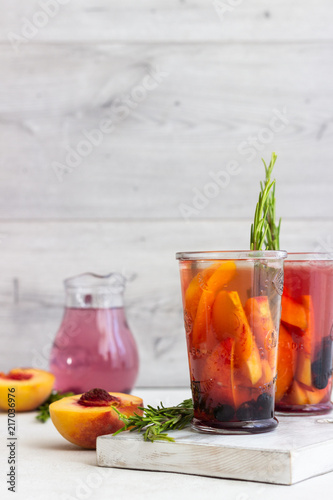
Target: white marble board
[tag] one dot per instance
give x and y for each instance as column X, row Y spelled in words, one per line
column 300, row 448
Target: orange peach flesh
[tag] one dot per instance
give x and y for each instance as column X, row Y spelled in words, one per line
column 81, row 425
column 29, row 393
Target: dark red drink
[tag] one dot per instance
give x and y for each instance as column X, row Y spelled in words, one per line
column 304, row 380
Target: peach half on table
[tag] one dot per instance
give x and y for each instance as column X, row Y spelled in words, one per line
column 82, row 418
column 28, row 388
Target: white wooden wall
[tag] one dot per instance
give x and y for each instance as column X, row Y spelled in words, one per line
column 223, row 73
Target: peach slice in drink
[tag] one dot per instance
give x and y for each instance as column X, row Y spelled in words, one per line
column 267, row 374
column 309, row 332
column 298, row 394
column 195, row 288
column 293, row 313
column 303, row 369
column 307, row 336
column 252, row 368
column 260, row 320
column 259, row 316
column 316, row 396
column 219, row 279
column 229, row 320
column 285, row 363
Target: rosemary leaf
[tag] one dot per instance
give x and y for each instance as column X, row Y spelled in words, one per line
column 264, row 230
column 155, row 422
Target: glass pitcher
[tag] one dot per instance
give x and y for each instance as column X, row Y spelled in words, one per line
column 94, row 346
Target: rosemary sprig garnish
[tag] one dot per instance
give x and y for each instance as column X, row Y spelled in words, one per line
column 273, row 234
column 264, row 229
column 44, row 412
column 156, row 421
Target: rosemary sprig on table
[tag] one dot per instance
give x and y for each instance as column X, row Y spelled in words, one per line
column 156, row 421
column 264, row 229
column 44, row 412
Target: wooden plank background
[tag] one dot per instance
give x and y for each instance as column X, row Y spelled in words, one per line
column 169, row 20
column 187, row 87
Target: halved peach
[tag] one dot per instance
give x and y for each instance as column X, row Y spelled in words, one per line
column 81, row 423
column 28, row 388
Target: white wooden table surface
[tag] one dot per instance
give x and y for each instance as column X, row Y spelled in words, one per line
column 51, row 468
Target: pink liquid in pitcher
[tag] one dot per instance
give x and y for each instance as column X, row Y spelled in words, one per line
column 94, row 348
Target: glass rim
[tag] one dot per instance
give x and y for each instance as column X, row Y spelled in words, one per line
column 233, row 255
column 304, row 256
column 94, row 280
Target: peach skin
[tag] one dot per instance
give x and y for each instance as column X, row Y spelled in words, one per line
column 82, row 418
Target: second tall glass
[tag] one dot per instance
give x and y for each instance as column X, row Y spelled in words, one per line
column 304, row 381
